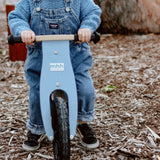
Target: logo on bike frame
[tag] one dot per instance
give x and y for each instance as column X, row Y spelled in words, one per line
column 56, row 67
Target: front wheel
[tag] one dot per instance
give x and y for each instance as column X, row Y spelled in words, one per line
column 60, row 122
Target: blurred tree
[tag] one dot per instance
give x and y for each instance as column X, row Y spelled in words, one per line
column 123, row 16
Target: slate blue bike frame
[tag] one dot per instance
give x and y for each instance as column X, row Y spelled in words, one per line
column 57, row 74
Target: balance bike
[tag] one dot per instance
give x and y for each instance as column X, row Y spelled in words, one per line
column 58, row 94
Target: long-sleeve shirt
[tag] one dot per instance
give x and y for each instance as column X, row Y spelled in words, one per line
column 86, row 11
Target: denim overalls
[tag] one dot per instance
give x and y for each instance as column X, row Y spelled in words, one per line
column 58, row 21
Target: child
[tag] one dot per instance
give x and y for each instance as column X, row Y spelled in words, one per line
column 42, row 17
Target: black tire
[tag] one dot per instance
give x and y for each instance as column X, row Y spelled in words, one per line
column 60, row 123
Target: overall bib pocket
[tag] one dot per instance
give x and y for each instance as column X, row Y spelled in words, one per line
column 54, row 26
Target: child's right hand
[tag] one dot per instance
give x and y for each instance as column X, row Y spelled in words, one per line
column 28, row 37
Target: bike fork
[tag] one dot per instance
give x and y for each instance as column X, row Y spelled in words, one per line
column 57, row 74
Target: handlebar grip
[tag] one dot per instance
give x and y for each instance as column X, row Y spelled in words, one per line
column 95, row 37
column 12, row 40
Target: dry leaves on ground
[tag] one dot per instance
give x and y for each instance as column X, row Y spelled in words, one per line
column 126, row 119
column 127, row 112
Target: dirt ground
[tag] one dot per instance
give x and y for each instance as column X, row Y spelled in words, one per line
column 127, row 119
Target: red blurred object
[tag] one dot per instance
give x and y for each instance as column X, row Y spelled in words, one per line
column 17, row 52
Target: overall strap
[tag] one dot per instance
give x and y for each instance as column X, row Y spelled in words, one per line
column 68, row 4
column 37, row 3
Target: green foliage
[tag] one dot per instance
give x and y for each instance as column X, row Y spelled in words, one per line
column 109, row 88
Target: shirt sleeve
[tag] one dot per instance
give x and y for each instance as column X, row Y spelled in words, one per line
column 89, row 15
column 18, row 19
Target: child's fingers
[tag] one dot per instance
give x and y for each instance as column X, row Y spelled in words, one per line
column 84, row 34
column 28, row 37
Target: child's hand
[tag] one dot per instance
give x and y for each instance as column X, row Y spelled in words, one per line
column 84, row 34
column 28, row 37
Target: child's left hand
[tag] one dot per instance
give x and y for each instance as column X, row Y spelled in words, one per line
column 84, row 35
